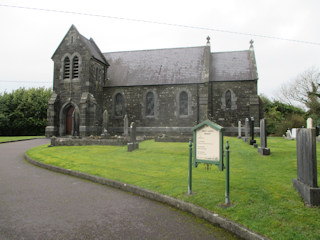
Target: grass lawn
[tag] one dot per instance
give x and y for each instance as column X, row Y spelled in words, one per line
column 17, row 138
column 260, row 186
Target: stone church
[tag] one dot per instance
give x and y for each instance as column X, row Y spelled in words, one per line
column 164, row 91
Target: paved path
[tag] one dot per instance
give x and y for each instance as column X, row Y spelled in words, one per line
column 38, row 204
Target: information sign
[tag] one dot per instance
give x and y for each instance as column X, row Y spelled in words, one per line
column 208, row 141
column 208, row 148
column 208, row 144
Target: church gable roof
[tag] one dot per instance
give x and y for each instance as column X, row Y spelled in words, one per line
column 89, row 44
column 233, row 66
column 156, row 67
column 94, row 49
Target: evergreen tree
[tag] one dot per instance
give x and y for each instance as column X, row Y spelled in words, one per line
column 24, row 112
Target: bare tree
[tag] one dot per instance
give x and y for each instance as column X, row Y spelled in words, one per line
column 302, row 88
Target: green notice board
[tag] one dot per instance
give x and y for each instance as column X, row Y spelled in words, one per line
column 208, row 144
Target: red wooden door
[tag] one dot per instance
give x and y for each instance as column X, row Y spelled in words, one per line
column 69, row 120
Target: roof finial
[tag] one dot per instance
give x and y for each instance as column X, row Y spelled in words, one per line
column 208, row 41
column 251, row 43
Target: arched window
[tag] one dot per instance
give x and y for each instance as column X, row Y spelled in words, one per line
column 119, row 105
column 150, row 104
column 183, row 103
column 228, row 99
column 97, row 74
column 75, row 67
column 66, row 68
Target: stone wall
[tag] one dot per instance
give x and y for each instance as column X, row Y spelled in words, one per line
column 166, row 108
column 244, row 102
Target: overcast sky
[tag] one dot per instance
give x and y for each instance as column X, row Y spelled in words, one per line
column 30, row 37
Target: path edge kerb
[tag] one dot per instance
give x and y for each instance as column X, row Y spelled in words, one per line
column 200, row 212
column 20, row 140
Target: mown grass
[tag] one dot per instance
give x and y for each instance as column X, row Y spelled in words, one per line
column 17, row 138
column 261, row 189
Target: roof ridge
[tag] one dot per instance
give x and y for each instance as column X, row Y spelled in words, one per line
column 156, row 49
column 234, row 51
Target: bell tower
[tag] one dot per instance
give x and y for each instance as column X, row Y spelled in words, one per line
column 80, row 71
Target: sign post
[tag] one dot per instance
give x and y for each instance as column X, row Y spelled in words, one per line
column 208, row 148
column 190, row 168
column 227, row 202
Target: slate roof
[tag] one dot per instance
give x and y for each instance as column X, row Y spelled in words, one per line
column 94, row 50
column 156, row 67
column 233, row 66
column 178, row 66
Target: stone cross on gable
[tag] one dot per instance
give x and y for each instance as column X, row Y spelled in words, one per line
column 208, row 41
column 251, row 43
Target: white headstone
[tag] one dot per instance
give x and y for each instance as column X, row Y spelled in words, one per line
column 288, row 133
column 239, row 129
column 309, row 123
column 294, row 133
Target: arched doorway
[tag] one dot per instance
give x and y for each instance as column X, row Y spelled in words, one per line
column 69, row 113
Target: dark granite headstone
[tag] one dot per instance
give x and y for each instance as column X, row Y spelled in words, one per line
column 263, row 150
column 252, row 141
column 307, row 184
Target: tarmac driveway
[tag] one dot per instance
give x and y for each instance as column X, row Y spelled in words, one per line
column 38, row 204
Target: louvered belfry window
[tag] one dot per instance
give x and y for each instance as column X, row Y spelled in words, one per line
column 66, row 69
column 75, row 67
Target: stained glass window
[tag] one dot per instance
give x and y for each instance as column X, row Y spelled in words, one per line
column 150, row 104
column 228, row 99
column 119, row 105
column 183, row 103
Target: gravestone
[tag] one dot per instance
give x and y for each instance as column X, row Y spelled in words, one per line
column 252, row 141
column 133, row 144
column 125, row 125
column 239, row 129
column 263, row 150
column 105, row 120
column 317, row 131
column 306, row 183
column 246, row 130
column 288, row 135
column 309, row 123
column 294, row 133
